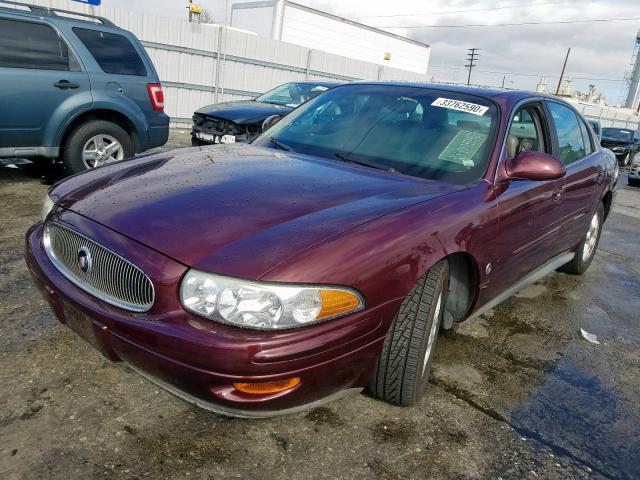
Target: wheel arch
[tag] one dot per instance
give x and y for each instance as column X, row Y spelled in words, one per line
column 112, row 116
column 607, row 201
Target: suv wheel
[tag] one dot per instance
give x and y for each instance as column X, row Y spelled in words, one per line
column 96, row 143
column 402, row 371
column 588, row 246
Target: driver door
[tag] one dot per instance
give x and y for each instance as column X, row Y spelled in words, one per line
column 529, row 211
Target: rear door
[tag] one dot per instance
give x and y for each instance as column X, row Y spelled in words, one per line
column 117, row 68
column 42, row 82
column 583, row 182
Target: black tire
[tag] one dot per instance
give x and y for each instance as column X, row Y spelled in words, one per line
column 633, row 182
column 73, row 147
column 579, row 264
column 401, row 373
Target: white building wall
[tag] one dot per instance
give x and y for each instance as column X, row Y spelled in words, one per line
column 332, row 35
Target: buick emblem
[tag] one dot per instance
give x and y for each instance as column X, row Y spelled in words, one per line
column 84, row 259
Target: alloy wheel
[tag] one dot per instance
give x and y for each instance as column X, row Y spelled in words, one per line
column 591, row 238
column 101, row 149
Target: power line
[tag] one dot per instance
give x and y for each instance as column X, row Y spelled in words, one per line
column 561, row 22
column 549, row 75
column 519, row 5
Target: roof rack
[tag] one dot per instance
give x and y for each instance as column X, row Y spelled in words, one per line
column 54, row 12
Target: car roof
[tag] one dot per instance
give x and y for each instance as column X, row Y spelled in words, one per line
column 322, row 83
column 487, row 92
column 56, row 15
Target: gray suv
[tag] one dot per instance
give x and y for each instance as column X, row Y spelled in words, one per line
column 76, row 88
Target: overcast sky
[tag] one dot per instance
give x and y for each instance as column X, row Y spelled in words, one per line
column 600, row 52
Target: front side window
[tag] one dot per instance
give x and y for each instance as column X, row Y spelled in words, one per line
column 31, row 45
column 525, row 132
column 433, row 134
column 570, row 140
column 114, row 53
column 292, row 94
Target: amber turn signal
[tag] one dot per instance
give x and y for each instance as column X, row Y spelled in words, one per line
column 262, row 388
column 337, row 302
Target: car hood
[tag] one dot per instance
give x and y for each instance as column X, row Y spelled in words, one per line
column 245, row 111
column 616, row 143
column 237, row 209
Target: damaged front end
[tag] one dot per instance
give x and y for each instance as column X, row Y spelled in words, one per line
column 209, row 130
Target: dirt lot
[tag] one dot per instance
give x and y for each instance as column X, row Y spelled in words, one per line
column 515, row 394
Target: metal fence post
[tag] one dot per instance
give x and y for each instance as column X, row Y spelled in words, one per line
column 306, row 74
column 217, row 80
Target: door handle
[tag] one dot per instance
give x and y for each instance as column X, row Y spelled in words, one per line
column 65, row 84
column 557, row 193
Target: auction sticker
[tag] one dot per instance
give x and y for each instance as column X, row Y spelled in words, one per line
column 473, row 108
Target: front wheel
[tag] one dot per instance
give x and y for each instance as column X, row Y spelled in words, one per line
column 588, row 246
column 401, row 373
column 634, row 182
column 96, row 143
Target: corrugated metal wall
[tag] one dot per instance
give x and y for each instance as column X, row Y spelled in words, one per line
column 609, row 117
column 185, row 55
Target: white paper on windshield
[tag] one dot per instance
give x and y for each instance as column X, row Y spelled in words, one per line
column 460, row 106
column 463, row 147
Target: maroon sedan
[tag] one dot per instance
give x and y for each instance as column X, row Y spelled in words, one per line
column 324, row 257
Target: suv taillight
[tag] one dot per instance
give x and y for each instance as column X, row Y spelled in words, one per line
column 156, row 95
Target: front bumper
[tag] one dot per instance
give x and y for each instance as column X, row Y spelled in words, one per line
column 634, row 171
column 211, row 130
column 200, row 360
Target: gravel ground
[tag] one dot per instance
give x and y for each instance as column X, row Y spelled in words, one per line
column 515, row 394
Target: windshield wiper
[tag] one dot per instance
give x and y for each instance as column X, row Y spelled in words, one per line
column 280, row 145
column 345, row 158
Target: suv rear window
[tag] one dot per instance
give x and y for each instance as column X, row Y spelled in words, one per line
column 114, row 53
column 31, row 45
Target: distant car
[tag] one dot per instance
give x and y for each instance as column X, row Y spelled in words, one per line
column 241, row 121
column 596, row 126
column 324, row 257
column 634, row 171
column 75, row 87
column 624, row 142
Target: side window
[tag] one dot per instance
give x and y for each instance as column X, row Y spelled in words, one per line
column 525, row 132
column 32, row 45
column 114, row 53
column 586, row 138
column 569, row 133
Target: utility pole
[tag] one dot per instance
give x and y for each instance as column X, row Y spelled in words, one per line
column 564, row 66
column 472, row 56
column 504, row 77
column 190, row 12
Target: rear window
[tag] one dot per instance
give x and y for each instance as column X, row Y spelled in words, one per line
column 114, row 53
column 31, row 45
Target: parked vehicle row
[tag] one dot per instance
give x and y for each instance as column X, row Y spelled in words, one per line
column 623, row 142
column 75, row 87
column 325, row 256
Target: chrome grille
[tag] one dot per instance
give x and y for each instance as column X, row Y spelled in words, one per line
column 101, row 272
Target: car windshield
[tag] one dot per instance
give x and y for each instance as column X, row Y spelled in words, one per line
column 427, row 133
column 617, row 134
column 292, row 94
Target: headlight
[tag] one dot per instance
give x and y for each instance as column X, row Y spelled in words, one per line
column 264, row 305
column 619, row 149
column 47, row 206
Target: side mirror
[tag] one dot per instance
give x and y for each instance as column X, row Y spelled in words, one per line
column 530, row 165
column 270, row 122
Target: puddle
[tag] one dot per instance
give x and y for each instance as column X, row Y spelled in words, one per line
column 580, row 416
